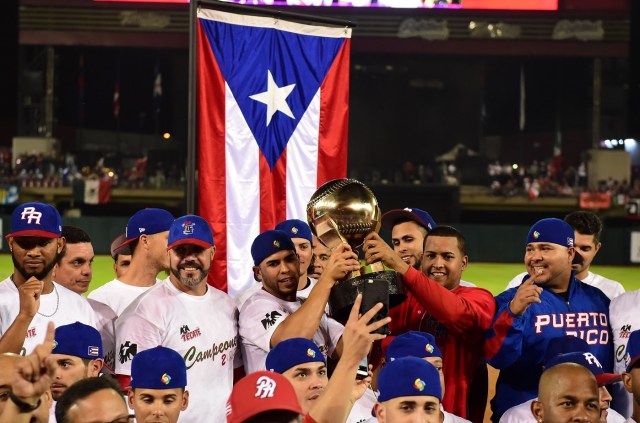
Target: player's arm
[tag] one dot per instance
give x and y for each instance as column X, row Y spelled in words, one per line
column 338, row 399
column 505, row 337
column 305, row 321
column 29, row 296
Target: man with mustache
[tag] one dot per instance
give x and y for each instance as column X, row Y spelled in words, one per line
column 29, row 298
column 185, row 314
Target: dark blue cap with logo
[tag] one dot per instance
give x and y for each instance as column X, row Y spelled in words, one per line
column 190, row 229
column 413, row 344
column 587, row 360
column 421, row 217
column 78, row 340
column 552, row 230
column 36, row 219
column 158, row 368
column 633, row 350
column 147, row 221
column 268, row 243
column 408, row 377
column 292, row 352
column 296, row 229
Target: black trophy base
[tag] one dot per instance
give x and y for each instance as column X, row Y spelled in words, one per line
column 385, row 287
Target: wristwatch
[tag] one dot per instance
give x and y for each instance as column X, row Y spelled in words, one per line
column 24, row 407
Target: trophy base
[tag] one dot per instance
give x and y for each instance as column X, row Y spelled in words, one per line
column 344, row 293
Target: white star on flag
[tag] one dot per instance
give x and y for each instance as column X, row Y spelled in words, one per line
column 275, row 98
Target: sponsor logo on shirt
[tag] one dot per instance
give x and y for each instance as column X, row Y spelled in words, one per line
column 625, row 331
column 270, row 319
column 127, row 351
column 187, row 334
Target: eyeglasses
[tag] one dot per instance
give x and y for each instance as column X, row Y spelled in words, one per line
column 124, row 419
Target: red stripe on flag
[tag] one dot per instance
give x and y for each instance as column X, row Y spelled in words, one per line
column 273, row 192
column 211, row 155
column 334, row 118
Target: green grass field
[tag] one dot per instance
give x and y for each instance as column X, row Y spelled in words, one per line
column 492, row 276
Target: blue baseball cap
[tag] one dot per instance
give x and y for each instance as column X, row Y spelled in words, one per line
column 587, row 360
column 552, row 230
column 413, row 344
column 190, row 229
column 268, row 243
column 564, row 345
column 292, row 352
column 158, row 368
column 36, row 219
column 421, row 217
column 408, row 377
column 78, row 340
column 295, row 228
column 633, row 350
column 147, row 221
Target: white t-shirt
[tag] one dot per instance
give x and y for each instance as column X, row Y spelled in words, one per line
column 62, row 307
column 522, row 413
column 363, row 408
column 447, row 418
column 610, row 287
column 303, row 293
column 261, row 314
column 106, row 325
column 624, row 319
column 118, row 295
column 203, row 329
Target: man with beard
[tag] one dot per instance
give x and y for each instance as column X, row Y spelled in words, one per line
column 29, row 298
column 185, row 314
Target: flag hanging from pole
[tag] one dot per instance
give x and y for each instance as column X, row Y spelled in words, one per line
column 272, row 127
column 157, row 90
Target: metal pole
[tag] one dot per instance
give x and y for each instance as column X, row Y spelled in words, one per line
column 597, row 92
column 48, row 104
column 190, row 171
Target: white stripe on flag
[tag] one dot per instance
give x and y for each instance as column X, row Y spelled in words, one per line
column 243, row 196
column 302, row 161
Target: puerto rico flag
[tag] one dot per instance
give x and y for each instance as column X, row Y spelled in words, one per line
column 272, row 127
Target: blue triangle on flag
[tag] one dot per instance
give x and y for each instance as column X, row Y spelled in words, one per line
column 246, row 56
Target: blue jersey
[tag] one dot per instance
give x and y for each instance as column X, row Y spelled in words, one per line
column 517, row 344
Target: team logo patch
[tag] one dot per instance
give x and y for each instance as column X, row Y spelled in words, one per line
column 419, row 385
column 55, row 344
column 265, row 387
column 187, row 227
column 93, row 351
column 536, row 234
column 428, row 348
column 294, row 230
column 165, row 379
column 276, row 244
column 569, row 242
column 311, row 353
column 31, row 215
column 270, row 319
column 127, row 351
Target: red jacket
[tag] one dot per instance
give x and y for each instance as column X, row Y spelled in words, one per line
column 458, row 320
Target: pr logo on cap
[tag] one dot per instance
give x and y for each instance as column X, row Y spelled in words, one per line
column 187, row 227
column 265, row 387
column 311, row 353
column 166, row 379
column 30, row 214
column 419, row 384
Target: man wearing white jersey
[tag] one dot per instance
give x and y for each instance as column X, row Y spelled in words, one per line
column 274, row 314
column 185, row 314
column 147, row 232
column 588, row 228
column 29, row 298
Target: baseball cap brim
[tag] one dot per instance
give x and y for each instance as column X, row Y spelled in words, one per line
column 607, row 378
column 390, row 218
column 35, row 233
column 116, row 245
column 192, row 241
column 264, row 409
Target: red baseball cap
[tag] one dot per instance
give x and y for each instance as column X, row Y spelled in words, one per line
column 260, row 392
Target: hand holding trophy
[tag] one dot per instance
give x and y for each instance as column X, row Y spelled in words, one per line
column 346, row 211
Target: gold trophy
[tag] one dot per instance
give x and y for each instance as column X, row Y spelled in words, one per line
column 345, row 210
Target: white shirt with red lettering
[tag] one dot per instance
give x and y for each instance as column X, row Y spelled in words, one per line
column 610, row 287
column 203, row 329
column 261, row 314
column 62, row 307
column 118, row 295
